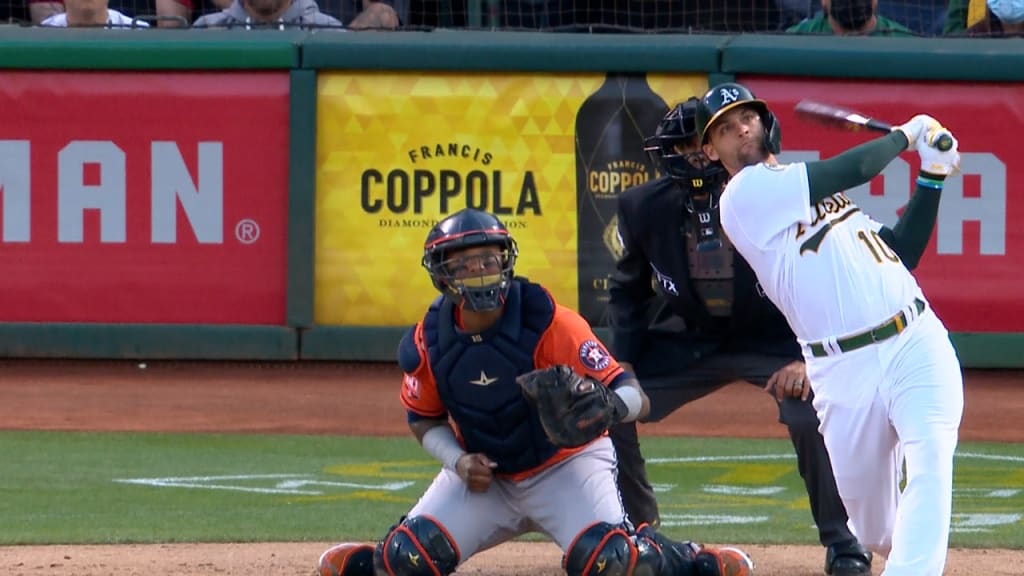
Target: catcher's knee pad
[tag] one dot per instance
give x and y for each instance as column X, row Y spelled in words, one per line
column 347, row 560
column 417, row 546
column 603, row 548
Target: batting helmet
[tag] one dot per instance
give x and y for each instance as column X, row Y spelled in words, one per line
column 464, row 229
column 693, row 171
column 725, row 97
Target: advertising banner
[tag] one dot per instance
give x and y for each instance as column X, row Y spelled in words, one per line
column 972, row 267
column 144, row 197
column 548, row 154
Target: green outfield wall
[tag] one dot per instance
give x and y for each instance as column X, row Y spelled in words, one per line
column 333, row 152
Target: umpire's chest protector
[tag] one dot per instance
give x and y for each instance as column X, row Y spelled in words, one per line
column 476, row 377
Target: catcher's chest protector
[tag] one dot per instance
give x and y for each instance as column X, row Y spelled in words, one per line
column 476, row 377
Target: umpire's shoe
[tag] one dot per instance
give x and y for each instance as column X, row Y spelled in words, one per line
column 347, row 560
column 848, row 559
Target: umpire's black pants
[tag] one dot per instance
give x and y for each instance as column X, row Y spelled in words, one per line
column 671, row 377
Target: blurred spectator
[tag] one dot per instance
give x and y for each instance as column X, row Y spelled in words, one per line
column 633, row 15
column 268, row 13
column 40, row 10
column 375, row 14
column 793, row 11
column 175, row 13
column 360, row 13
column 90, row 13
column 850, row 18
column 922, row 17
column 1000, row 18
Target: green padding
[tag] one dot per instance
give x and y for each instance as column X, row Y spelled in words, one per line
column 148, row 341
column 380, row 344
column 512, row 52
column 951, row 59
column 355, row 343
column 79, row 49
column 301, row 196
column 989, row 350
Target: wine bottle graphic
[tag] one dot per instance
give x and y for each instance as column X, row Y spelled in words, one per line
column 610, row 128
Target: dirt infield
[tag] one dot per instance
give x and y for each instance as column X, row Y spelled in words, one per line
column 290, row 398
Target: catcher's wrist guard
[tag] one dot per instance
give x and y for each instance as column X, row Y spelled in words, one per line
column 628, row 403
column 440, row 443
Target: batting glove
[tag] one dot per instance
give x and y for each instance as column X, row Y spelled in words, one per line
column 934, row 161
column 916, row 128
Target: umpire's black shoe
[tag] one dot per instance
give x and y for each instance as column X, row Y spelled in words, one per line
column 848, row 559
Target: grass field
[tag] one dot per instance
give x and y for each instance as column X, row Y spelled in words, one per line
column 115, row 488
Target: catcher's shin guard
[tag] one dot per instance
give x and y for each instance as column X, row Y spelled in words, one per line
column 658, row 555
column 347, row 559
column 416, row 546
column 601, row 549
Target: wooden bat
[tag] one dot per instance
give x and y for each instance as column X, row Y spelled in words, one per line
column 837, row 117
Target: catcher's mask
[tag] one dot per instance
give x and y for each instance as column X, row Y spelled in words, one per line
column 700, row 179
column 476, row 281
column 725, row 97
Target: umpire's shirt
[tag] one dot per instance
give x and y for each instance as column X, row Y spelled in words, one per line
column 715, row 293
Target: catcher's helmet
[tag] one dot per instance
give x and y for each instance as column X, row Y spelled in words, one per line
column 725, row 97
column 694, row 172
column 485, row 289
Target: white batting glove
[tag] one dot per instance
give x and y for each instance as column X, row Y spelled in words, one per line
column 916, row 127
column 935, row 161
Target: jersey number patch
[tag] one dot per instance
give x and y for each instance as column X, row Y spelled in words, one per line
column 878, row 247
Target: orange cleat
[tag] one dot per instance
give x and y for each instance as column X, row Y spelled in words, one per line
column 348, row 559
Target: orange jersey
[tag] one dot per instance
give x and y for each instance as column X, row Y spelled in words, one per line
column 568, row 340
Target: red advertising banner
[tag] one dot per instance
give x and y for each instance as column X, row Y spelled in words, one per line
column 143, row 197
column 972, row 267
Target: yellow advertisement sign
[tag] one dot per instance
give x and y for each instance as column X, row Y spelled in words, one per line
column 396, row 152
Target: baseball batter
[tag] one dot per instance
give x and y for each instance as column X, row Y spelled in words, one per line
column 503, row 474
column 887, row 383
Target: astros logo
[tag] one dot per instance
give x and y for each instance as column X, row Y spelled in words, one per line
column 594, row 356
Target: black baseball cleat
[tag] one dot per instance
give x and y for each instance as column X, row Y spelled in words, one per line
column 848, row 559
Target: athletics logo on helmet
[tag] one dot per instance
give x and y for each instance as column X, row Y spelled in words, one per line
column 725, row 97
column 475, row 282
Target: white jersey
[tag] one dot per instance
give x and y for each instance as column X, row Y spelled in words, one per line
column 824, row 266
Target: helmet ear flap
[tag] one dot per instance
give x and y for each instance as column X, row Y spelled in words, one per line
column 772, row 132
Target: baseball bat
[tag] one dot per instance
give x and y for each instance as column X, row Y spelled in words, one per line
column 838, row 117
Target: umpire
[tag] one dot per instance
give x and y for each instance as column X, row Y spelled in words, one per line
column 688, row 317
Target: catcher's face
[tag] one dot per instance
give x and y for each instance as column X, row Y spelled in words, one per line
column 737, row 139
column 482, row 263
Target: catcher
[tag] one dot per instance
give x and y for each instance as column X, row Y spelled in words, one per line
column 513, row 395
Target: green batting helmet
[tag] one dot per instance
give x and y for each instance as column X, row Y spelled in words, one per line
column 725, row 97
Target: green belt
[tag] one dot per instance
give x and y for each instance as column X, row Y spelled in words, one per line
column 883, row 331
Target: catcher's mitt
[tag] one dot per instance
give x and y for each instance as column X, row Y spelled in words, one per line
column 574, row 410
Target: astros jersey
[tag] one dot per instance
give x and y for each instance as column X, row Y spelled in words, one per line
column 825, row 266
column 479, row 391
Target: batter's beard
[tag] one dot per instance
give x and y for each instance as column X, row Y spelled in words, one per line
column 756, row 156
